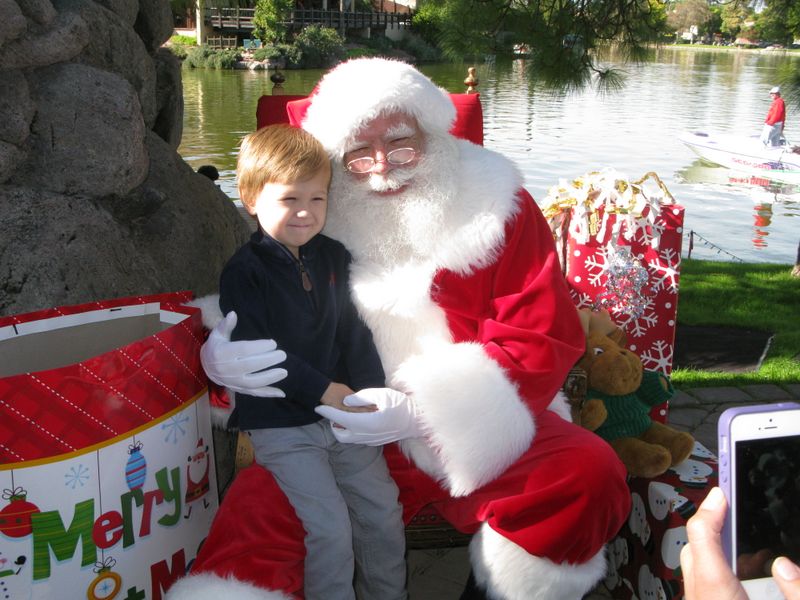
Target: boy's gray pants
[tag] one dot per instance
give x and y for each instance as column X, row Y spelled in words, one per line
column 347, row 501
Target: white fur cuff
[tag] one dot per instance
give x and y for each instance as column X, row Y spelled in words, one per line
column 209, row 308
column 207, row 586
column 507, row 571
column 475, row 421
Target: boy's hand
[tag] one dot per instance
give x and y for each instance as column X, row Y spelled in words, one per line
column 396, row 418
column 334, row 396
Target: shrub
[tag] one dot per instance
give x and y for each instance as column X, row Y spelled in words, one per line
column 268, row 52
column 420, row 49
column 183, row 40
column 428, row 21
column 361, row 52
column 317, row 47
column 203, row 57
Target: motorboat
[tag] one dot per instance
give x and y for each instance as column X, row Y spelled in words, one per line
column 746, row 154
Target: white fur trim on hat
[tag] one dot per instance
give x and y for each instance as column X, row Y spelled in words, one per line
column 207, row 586
column 507, row 571
column 357, row 91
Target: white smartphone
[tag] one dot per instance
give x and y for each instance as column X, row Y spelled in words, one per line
column 759, row 471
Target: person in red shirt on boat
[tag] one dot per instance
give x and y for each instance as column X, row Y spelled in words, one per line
column 773, row 124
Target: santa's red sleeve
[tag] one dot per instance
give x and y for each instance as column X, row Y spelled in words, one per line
column 515, row 335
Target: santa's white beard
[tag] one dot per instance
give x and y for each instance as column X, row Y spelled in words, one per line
column 391, row 229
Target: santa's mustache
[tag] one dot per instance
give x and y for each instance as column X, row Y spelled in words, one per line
column 391, row 181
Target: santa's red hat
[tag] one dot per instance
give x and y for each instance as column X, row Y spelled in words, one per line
column 357, row 91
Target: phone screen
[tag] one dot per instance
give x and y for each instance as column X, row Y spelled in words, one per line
column 767, row 510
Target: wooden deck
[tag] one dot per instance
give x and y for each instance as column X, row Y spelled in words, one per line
column 240, row 20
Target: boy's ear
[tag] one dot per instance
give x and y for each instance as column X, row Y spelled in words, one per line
column 250, row 208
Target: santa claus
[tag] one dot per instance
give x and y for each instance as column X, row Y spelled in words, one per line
column 454, row 271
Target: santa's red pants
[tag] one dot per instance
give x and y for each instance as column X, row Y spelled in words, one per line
column 563, row 499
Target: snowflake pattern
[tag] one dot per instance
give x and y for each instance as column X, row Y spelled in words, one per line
column 658, row 357
column 596, row 267
column 638, row 326
column 665, row 270
column 76, row 476
column 581, row 299
column 174, row 428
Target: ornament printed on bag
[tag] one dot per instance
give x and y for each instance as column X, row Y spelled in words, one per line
column 15, row 517
column 107, row 583
column 197, row 482
column 136, row 467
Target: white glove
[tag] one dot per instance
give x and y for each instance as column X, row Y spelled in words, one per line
column 396, row 418
column 242, row 366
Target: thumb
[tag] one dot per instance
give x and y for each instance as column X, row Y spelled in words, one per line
column 227, row 325
column 356, row 400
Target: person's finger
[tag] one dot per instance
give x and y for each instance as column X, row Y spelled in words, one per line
column 353, row 400
column 227, row 325
column 787, row 576
column 687, row 570
column 711, row 576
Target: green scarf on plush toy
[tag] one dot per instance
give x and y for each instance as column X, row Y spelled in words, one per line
column 619, row 397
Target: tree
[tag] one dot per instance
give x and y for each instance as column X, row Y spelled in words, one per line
column 562, row 35
column 734, row 16
column 779, row 21
column 687, row 14
column 270, row 19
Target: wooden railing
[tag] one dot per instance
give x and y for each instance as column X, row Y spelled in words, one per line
column 241, row 19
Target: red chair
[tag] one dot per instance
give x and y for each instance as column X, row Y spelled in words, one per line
column 272, row 110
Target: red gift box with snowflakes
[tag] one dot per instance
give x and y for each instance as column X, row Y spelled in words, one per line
column 106, row 462
column 620, row 246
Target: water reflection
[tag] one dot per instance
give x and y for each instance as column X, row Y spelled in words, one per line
column 763, row 192
column 552, row 136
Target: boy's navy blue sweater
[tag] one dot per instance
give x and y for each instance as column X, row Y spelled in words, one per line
column 324, row 338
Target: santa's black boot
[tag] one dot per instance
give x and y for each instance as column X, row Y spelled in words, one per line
column 472, row 591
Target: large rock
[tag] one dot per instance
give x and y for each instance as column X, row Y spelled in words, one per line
column 114, row 46
column 124, row 9
column 174, row 232
column 16, row 107
column 13, row 23
column 88, row 134
column 94, row 200
column 169, row 97
column 39, row 47
column 154, row 23
column 40, row 11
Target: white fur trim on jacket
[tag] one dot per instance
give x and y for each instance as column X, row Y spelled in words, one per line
column 357, row 91
column 507, row 572
column 212, row 315
column 207, row 586
column 475, row 422
column 209, row 308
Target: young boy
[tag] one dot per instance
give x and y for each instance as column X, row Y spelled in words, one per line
column 290, row 283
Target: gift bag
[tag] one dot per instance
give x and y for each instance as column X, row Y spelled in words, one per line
column 106, row 461
column 619, row 243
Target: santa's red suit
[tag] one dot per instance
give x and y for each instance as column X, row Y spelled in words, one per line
column 480, row 332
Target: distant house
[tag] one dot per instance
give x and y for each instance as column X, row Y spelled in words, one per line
column 745, row 42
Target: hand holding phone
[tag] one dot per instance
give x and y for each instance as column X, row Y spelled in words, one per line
column 706, row 572
column 759, row 448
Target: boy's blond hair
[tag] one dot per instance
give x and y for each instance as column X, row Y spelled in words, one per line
column 277, row 154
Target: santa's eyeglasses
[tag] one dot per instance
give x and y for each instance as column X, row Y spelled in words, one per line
column 396, row 158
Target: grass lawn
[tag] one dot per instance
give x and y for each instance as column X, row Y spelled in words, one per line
column 746, row 295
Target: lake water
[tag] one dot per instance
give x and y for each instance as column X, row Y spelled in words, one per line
column 553, row 136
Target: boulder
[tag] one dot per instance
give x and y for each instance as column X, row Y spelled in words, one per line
column 114, row 46
column 169, row 97
column 39, row 47
column 13, row 23
column 95, row 202
column 16, row 107
column 154, row 23
column 88, row 134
